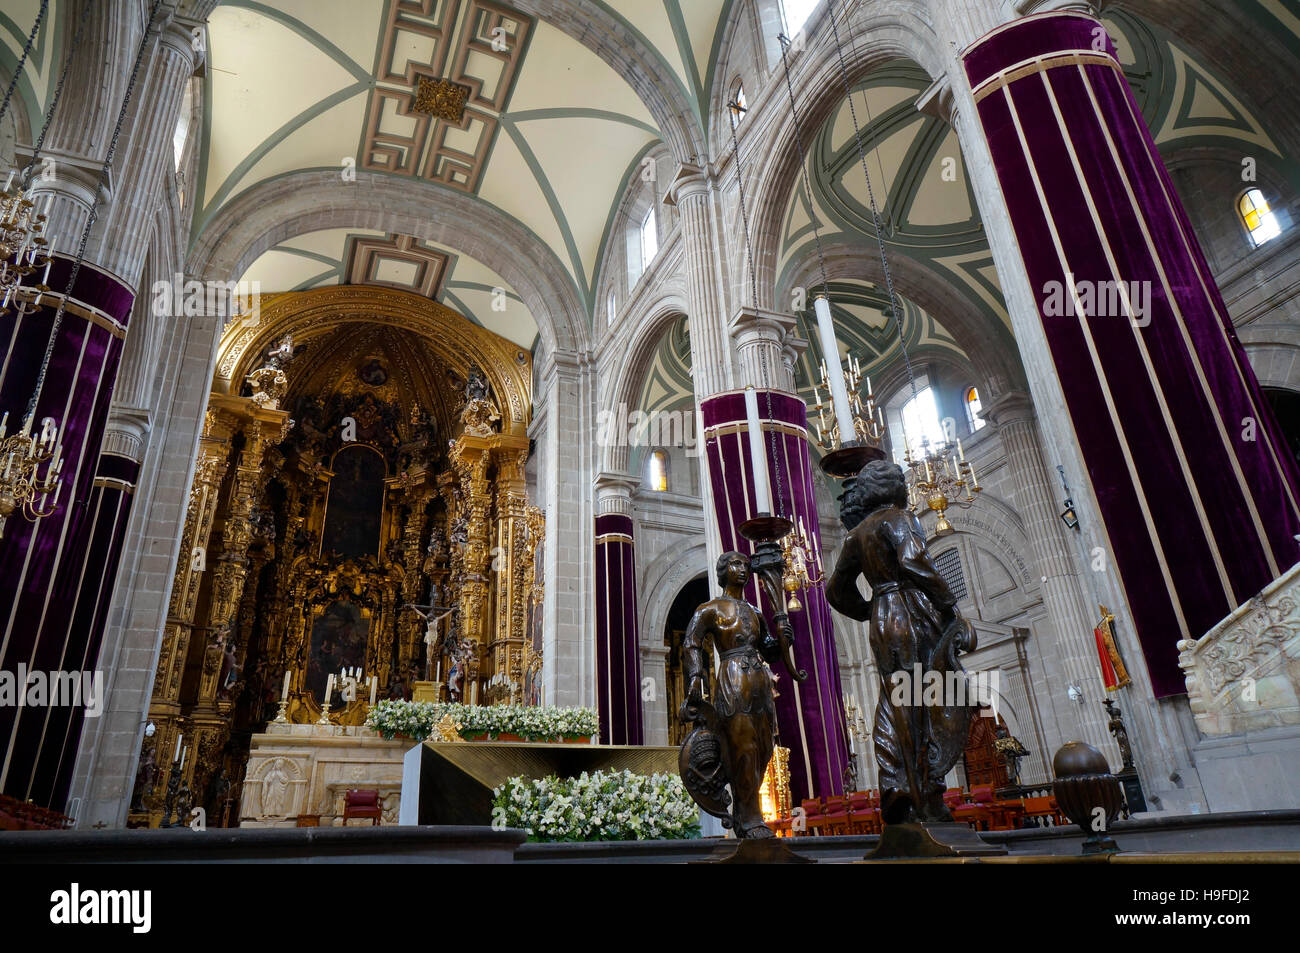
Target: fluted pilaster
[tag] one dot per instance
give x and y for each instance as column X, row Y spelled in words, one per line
column 711, row 350
column 1013, row 416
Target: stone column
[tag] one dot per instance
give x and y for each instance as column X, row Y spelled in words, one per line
column 61, row 572
column 810, row 715
column 566, row 441
column 1197, row 494
column 618, row 646
column 711, row 352
column 1063, row 596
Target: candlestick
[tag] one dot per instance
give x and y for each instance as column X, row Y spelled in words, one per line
column 757, row 456
column 835, row 371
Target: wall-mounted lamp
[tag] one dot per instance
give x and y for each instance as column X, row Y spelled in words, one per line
column 1068, row 516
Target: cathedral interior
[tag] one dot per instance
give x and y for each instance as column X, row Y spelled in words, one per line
column 443, row 347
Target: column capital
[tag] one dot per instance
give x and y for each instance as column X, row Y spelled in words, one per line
column 127, row 432
column 1011, row 408
column 690, row 180
column 614, row 492
column 769, row 346
column 939, row 100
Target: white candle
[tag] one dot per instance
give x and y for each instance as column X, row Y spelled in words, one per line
column 3, row 421
column 835, row 371
column 329, row 688
column 184, row 752
column 757, row 456
column 9, row 181
column 177, row 756
column 374, row 688
column 284, row 693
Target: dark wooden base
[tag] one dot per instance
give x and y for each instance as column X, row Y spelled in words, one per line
column 765, row 529
column 848, row 460
column 767, row 850
column 932, row 840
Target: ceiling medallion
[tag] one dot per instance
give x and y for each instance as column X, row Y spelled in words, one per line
column 441, row 98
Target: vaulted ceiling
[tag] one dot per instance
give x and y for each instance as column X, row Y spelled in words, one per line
column 550, row 134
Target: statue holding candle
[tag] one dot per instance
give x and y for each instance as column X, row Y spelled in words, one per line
column 735, row 722
column 915, row 632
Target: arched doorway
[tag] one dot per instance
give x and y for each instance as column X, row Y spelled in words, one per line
column 1286, row 407
column 684, row 605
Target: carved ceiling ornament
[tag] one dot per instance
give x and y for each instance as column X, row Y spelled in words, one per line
column 454, row 340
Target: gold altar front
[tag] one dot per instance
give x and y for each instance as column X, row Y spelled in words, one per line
column 359, row 504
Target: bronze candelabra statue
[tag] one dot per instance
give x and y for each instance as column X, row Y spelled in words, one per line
column 734, row 724
column 915, row 632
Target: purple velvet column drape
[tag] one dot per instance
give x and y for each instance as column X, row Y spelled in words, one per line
column 56, row 575
column 618, row 653
column 810, row 716
column 1197, row 491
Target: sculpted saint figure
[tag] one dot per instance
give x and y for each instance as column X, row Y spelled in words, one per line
column 915, row 632
column 735, row 723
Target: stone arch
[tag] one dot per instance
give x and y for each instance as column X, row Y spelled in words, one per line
column 280, row 209
column 627, row 375
column 894, row 31
column 989, row 345
column 447, row 334
column 661, row 581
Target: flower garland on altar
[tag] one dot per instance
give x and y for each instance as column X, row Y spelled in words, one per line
column 601, row 806
column 418, row 720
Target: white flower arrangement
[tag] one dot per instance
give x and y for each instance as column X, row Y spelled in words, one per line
column 417, row 720
column 603, row 805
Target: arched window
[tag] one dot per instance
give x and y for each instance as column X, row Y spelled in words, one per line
column 973, row 408
column 657, row 471
column 1258, row 217
column 649, row 239
column 796, row 14
column 920, row 424
column 611, row 306
column 738, row 100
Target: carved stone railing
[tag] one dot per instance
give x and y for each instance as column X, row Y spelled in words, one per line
column 1244, row 674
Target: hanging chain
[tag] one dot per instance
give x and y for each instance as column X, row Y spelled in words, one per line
column 58, row 94
column 732, row 109
column 27, row 49
column 803, row 162
column 94, row 210
column 894, row 304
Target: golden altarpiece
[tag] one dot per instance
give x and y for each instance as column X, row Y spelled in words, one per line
column 358, row 504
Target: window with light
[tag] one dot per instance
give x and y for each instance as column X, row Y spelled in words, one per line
column 796, row 13
column 657, row 471
column 973, row 409
column 1258, row 217
column 920, row 420
column 738, row 100
column 649, row 239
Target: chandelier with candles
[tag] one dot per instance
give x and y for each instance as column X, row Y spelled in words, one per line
column 938, row 477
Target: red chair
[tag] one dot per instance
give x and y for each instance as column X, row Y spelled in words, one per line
column 953, row 798
column 363, row 804
column 835, row 818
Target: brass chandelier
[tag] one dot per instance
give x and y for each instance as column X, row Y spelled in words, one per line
column 938, row 479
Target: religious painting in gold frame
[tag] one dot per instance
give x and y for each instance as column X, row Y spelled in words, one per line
column 340, row 634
